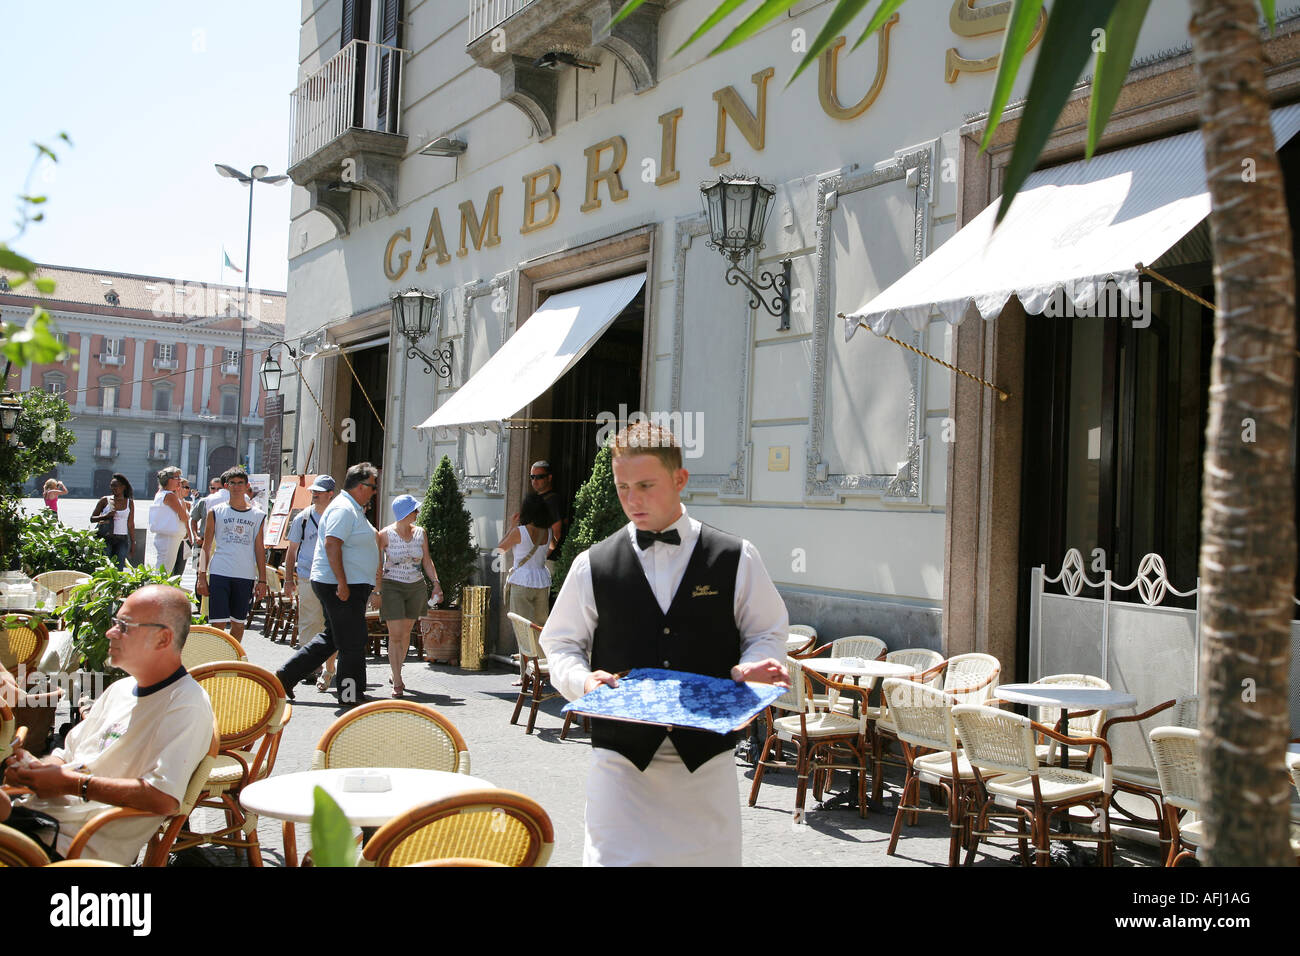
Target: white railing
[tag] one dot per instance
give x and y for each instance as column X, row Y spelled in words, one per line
column 324, row 106
column 486, row 15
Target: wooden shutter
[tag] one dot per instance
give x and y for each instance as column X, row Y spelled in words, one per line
column 356, row 26
column 389, row 65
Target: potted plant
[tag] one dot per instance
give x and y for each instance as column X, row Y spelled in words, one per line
column 91, row 607
column 47, row 544
column 447, row 528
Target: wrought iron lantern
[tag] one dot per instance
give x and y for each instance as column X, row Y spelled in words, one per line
column 271, row 372
column 737, row 209
column 11, row 407
column 416, row 314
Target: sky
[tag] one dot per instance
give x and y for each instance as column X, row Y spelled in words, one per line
column 152, row 95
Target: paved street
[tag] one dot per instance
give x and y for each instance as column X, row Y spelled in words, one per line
column 553, row 771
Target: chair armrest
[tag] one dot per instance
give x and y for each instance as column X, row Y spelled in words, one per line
column 816, row 651
column 1073, row 741
column 1134, row 718
column 95, row 823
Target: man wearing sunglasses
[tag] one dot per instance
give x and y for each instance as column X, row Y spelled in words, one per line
column 139, row 744
column 542, row 479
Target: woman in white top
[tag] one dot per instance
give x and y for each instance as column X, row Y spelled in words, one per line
column 401, row 589
column 530, row 581
column 167, row 520
column 115, row 515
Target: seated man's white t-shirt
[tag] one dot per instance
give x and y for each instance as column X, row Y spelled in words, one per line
column 159, row 737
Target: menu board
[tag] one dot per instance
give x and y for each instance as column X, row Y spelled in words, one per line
column 280, row 511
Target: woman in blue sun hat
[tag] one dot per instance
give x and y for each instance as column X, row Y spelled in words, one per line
column 403, row 594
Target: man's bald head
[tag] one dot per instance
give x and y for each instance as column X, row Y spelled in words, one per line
column 170, row 606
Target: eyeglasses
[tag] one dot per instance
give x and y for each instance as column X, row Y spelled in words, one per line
column 126, row 626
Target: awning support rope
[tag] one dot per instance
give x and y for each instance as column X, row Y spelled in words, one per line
column 1003, row 394
column 1177, row 288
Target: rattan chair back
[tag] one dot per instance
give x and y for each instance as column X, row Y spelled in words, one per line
column 970, row 677
column 58, row 580
column 922, row 715
column 207, row 645
column 921, row 658
column 393, row 733
column 526, row 636
column 996, row 740
column 18, row 849
column 803, row 630
column 1186, row 711
column 1088, row 726
column 794, row 700
column 1177, row 765
column 23, row 642
column 497, row 825
column 248, row 702
column 859, row 645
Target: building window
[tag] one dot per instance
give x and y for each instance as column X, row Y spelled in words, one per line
column 108, row 392
column 113, row 346
column 112, row 298
column 230, row 361
column 166, row 352
column 162, row 398
column 229, row 401
column 55, row 384
column 158, row 445
column 105, row 447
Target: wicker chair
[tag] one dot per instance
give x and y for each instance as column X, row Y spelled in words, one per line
column 160, row 845
column 1005, row 743
column 800, row 638
column 533, row 673
column 815, row 733
column 1141, row 779
column 18, row 849
column 22, row 644
column 208, row 645
column 58, row 580
column 251, row 711
column 1177, row 767
column 923, row 716
column 1086, row 724
column 495, row 825
column 970, row 677
column 858, row 645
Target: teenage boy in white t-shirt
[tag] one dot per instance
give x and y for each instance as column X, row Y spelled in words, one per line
column 233, row 571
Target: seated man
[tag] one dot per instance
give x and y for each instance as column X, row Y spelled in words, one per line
column 141, row 742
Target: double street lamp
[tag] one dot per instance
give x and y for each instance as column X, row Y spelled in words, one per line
column 258, row 174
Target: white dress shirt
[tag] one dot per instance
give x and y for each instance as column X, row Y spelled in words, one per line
column 761, row 616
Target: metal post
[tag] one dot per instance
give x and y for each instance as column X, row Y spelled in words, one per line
column 243, row 321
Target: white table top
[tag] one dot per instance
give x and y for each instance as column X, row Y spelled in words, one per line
column 290, row 796
column 1062, row 695
column 856, row 667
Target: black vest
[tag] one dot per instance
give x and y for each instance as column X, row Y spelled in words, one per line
column 698, row 634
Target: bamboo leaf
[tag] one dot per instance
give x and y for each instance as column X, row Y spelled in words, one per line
column 1270, row 13
column 626, row 10
column 725, row 9
column 845, row 11
column 331, row 834
column 883, row 13
column 1015, row 43
column 768, row 11
column 1112, row 65
column 1067, row 44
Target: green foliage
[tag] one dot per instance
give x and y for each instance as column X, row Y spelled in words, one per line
column 331, row 834
column 448, row 529
column 47, row 544
column 46, row 441
column 11, row 526
column 596, row 514
column 91, row 607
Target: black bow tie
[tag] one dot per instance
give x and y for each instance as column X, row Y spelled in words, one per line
column 646, row 538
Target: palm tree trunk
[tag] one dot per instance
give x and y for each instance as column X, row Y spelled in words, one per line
column 1248, row 547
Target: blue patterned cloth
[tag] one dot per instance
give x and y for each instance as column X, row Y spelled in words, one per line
column 678, row 699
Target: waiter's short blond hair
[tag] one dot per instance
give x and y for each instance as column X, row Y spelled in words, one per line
column 647, row 438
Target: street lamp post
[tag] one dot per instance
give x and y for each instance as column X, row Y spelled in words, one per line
column 258, row 174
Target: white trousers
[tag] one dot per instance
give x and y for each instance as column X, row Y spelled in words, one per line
column 666, row 816
column 164, row 550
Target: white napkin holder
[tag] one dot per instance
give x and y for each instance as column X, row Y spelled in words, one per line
column 366, row 781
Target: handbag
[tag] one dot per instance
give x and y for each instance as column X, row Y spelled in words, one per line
column 103, row 526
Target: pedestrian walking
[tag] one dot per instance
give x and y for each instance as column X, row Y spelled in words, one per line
column 168, row 520
column 343, row 574
column 529, row 581
column 114, row 518
column 232, row 570
column 403, row 594
column 53, row 488
column 186, row 494
column 304, row 533
column 217, row 493
column 542, row 478
column 665, row 591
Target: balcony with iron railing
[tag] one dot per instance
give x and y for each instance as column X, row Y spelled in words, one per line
column 530, row 29
column 345, row 129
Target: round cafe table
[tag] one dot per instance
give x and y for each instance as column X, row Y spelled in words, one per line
column 291, row 797
column 1067, row 698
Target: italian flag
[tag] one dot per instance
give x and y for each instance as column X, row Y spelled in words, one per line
column 229, row 264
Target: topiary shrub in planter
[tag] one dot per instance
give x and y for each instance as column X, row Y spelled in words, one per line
column 47, row 544
column 91, row 607
column 449, row 531
column 596, row 515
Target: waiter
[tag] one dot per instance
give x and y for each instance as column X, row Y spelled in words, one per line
column 670, row 592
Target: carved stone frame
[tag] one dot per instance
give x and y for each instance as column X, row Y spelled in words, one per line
column 491, row 482
column 908, row 485
column 735, row 482
column 401, row 408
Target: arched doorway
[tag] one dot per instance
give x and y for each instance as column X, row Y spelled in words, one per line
column 220, row 459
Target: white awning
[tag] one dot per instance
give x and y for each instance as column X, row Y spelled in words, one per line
column 1070, row 231
column 533, row 359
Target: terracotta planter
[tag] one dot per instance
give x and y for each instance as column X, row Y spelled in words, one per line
column 440, row 635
